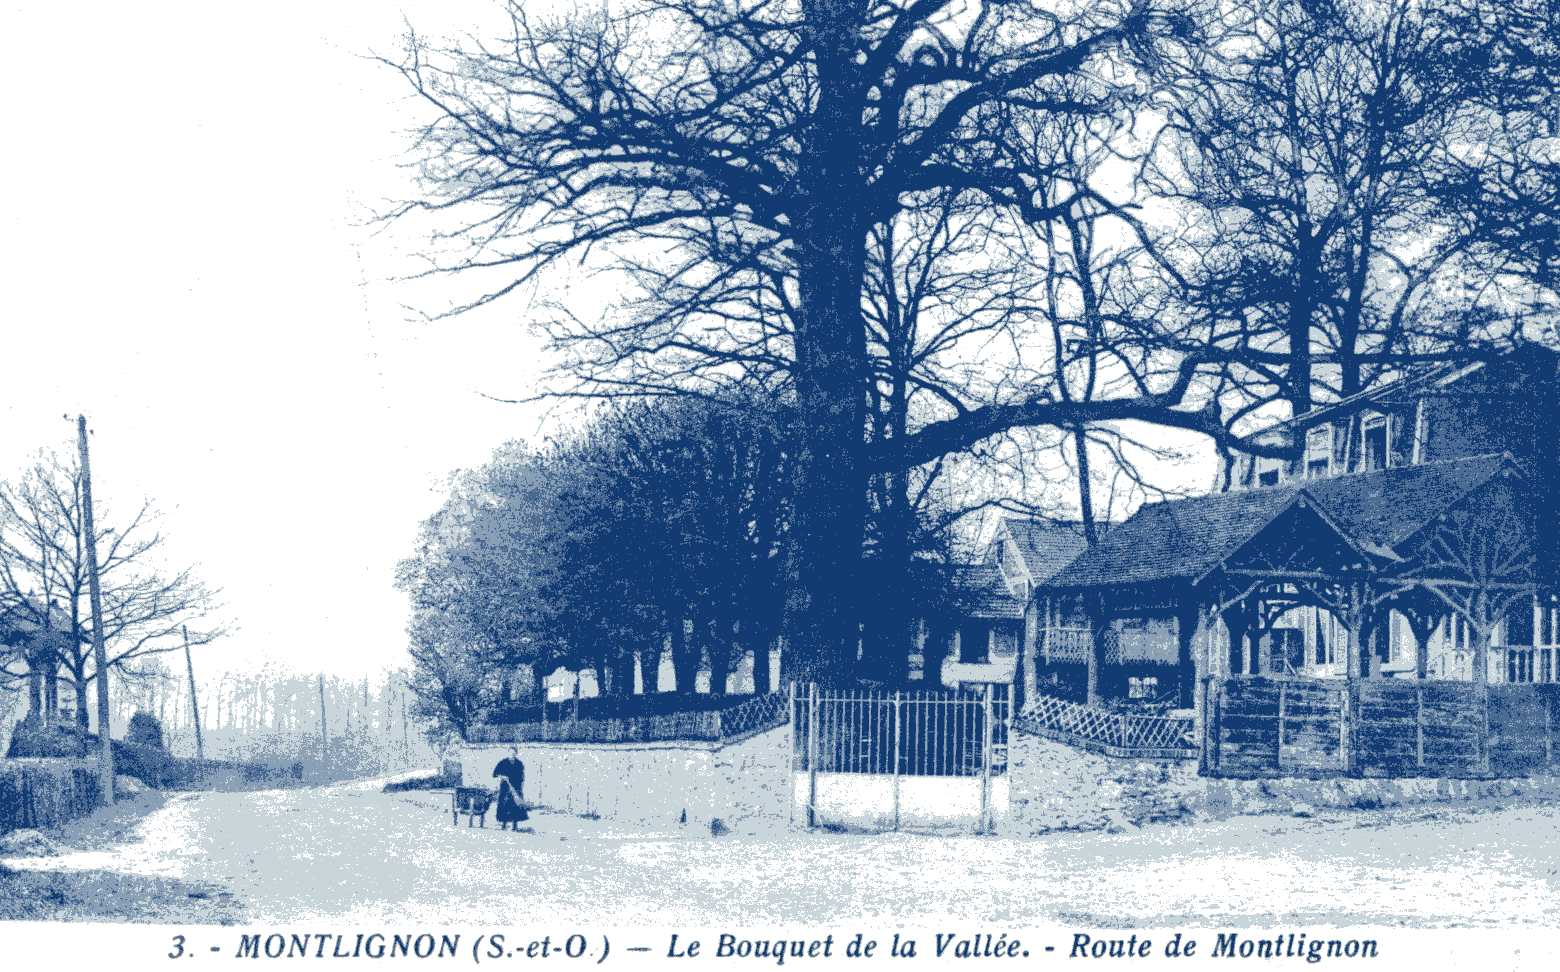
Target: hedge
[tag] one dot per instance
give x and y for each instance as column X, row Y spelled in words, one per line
column 41, row 793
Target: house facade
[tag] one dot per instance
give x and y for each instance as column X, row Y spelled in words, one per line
column 1509, row 407
column 1353, row 556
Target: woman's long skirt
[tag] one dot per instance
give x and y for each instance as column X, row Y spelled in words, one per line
column 510, row 809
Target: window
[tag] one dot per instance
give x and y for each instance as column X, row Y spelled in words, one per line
column 1373, row 443
column 1146, row 687
column 975, row 643
column 1269, row 471
column 1318, row 452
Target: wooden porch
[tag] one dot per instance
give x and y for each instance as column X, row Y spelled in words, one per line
column 1393, row 560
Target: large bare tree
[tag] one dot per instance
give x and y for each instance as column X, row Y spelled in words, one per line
column 739, row 153
column 44, row 580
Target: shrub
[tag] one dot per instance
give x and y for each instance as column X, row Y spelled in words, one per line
column 145, row 730
column 54, row 740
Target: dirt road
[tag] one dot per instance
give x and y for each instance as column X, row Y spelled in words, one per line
column 351, row 854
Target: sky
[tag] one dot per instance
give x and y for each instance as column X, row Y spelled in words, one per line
column 188, row 260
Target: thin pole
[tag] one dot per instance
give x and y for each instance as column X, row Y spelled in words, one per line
column 790, row 755
column 324, row 735
column 99, row 652
column 985, row 762
column 897, row 705
column 812, row 754
column 189, row 664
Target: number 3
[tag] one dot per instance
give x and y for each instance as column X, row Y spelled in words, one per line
column 178, row 946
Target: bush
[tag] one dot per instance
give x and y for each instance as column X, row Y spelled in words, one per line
column 145, row 730
column 33, row 739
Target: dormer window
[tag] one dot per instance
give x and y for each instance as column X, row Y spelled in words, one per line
column 1318, row 452
column 1374, row 453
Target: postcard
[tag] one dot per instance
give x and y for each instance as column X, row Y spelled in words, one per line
column 751, row 484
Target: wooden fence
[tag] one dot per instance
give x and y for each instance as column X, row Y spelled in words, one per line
column 1126, row 734
column 1264, row 725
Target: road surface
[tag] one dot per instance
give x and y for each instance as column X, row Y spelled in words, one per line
column 351, row 854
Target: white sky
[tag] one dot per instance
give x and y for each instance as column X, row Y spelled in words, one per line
column 183, row 260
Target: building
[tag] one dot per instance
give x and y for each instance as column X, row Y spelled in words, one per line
column 1384, row 563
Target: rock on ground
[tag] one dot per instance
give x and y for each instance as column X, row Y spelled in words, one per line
column 128, row 786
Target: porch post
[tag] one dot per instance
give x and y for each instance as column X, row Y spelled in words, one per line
column 1356, row 607
column 1029, row 672
column 1098, row 626
column 1482, row 633
column 1421, row 627
column 1187, row 669
column 1238, row 620
column 1422, row 621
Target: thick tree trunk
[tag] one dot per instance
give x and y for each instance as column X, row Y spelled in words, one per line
column 35, row 694
column 650, row 669
column 830, row 344
column 1298, row 326
column 722, row 650
column 81, row 703
column 685, row 658
column 1085, row 486
column 763, row 678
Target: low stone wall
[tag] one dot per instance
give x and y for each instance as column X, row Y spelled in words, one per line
column 682, row 785
column 1059, row 787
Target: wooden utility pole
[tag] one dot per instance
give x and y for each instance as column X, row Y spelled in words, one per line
column 406, row 732
column 189, row 664
column 324, row 735
column 99, row 652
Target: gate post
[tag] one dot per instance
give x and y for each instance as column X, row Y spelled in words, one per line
column 985, row 762
column 790, row 756
column 897, row 724
column 812, row 754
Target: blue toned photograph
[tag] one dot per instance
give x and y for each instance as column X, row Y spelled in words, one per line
column 782, row 482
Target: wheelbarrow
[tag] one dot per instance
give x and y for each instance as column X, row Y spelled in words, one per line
column 473, row 801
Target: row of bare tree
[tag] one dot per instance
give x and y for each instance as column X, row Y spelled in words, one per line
column 275, row 716
column 46, row 631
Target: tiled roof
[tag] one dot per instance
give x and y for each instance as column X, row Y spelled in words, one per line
column 1181, row 538
column 980, row 591
column 1046, row 546
column 1389, row 506
column 1187, row 538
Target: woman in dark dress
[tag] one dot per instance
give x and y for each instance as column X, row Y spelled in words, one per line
column 510, row 773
